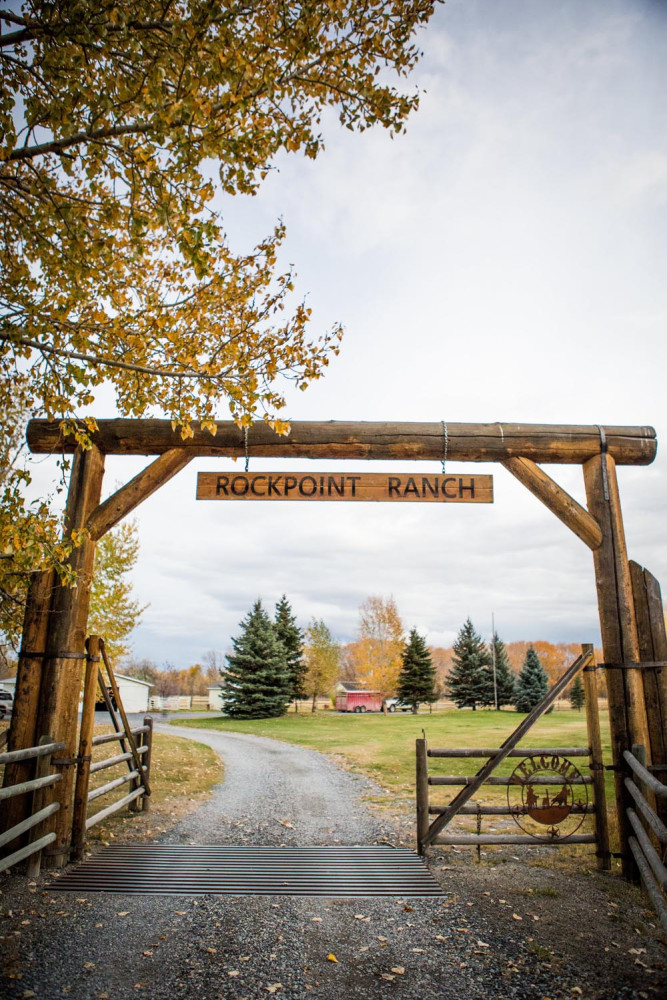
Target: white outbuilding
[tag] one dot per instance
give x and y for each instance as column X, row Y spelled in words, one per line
column 133, row 693
column 215, row 698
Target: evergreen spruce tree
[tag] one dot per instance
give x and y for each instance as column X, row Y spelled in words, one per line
column 256, row 685
column 468, row 681
column 505, row 677
column 416, row 681
column 577, row 696
column 532, row 683
column 291, row 637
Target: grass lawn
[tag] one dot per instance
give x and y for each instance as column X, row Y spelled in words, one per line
column 383, row 746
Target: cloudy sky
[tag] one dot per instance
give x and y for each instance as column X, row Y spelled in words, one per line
column 504, row 260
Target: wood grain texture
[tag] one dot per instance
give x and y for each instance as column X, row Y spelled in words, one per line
column 23, row 727
column 342, row 487
column 138, row 489
column 61, row 675
column 596, row 762
column 547, row 443
column 556, row 499
column 627, row 713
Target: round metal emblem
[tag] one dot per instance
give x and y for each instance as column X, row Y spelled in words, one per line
column 547, row 791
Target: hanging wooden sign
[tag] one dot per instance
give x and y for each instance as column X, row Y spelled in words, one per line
column 375, row 486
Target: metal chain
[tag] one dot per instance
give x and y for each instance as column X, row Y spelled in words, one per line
column 245, row 438
column 445, row 443
column 603, row 452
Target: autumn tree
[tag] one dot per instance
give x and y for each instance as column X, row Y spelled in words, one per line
column 322, row 659
column 256, row 685
column 532, row 683
column 114, row 613
column 380, row 645
column 416, row 680
column 468, row 681
column 291, row 637
column 577, row 694
column 503, row 690
column 123, row 125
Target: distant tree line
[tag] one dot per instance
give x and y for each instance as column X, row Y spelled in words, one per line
column 274, row 663
column 482, row 675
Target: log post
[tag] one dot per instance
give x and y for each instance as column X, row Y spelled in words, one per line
column 649, row 651
column 422, row 796
column 627, row 712
column 23, row 726
column 80, row 810
column 652, row 648
column 42, row 768
column 62, row 674
column 148, row 742
column 596, row 764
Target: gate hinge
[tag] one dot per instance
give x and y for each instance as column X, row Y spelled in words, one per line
column 64, row 761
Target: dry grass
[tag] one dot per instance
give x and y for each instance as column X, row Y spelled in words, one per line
column 383, row 747
column 182, row 775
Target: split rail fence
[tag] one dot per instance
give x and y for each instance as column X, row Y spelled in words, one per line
column 650, row 863
column 137, row 755
column 37, row 812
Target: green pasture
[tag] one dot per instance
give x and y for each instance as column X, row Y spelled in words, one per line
column 383, row 746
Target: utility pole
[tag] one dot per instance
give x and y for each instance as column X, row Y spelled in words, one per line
column 493, row 660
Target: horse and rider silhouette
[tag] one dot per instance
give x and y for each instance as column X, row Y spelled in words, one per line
column 532, row 801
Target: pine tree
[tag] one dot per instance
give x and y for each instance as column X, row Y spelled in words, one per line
column 577, row 696
column 468, row 681
column 257, row 685
column 532, row 684
column 505, row 687
column 416, row 681
column 291, row 637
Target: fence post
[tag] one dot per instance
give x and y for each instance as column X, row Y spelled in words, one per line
column 422, row 796
column 146, row 759
column 596, row 765
column 80, row 810
column 42, row 768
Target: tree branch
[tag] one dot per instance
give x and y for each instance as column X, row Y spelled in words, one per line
column 95, row 359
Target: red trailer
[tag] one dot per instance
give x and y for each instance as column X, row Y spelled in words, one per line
column 359, row 701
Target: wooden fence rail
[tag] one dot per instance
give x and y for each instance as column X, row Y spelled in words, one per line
column 138, row 778
column 38, row 812
column 135, row 745
column 650, row 863
column 425, row 809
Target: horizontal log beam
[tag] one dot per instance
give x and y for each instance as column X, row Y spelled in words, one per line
column 467, row 780
column 557, row 500
column 472, row 839
column 548, row 443
column 520, row 752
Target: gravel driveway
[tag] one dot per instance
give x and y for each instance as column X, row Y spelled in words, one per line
column 504, row 931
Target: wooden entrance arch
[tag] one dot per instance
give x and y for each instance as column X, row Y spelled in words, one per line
column 630, row 606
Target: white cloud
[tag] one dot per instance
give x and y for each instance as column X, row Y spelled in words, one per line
column 503, row 260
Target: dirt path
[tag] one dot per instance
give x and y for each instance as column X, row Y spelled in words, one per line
column 503, row 931
column 277, row 793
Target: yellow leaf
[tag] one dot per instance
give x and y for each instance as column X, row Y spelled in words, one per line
column 332, row 957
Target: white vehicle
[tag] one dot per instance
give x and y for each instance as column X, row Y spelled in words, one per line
column 6, row 703
column 394, row 705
